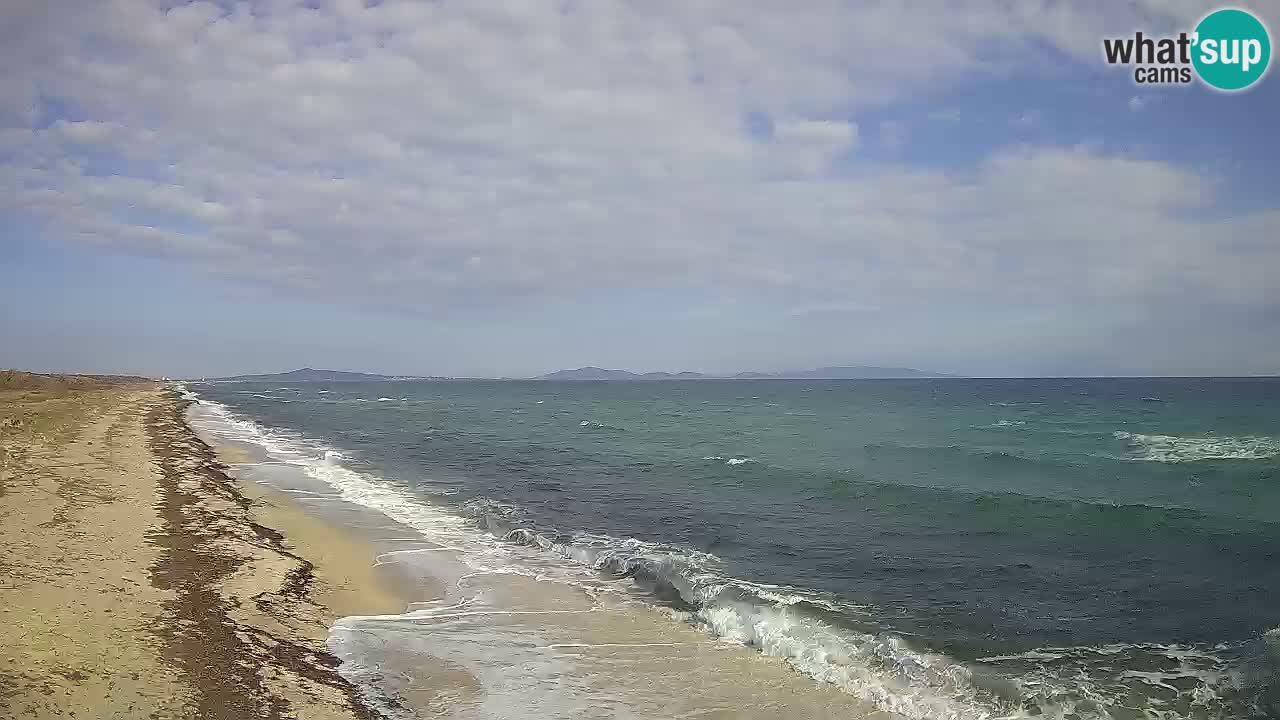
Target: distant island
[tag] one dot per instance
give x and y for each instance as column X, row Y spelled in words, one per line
column 596, row 374
column 854, row 372
column 313, row 375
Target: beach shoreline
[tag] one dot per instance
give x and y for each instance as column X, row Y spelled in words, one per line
column 501, row 629
column 184, row 575
column 140, row 579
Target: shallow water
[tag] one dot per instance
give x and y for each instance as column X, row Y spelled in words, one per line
column 942, row 548
column 498, row 630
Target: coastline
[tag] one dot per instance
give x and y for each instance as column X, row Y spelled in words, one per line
column 139, row 579
column 497, row 629
column 178, row 575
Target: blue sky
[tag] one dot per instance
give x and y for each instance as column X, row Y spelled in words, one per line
column 506, row 189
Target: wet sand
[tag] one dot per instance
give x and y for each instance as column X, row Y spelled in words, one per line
column 543, row 649
column 138, row 580
column 497, row 630
column 147, row 572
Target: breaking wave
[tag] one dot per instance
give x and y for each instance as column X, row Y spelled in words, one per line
column 730, row 460
column 593, row 425
column 1004, row 424
column 814, row 632
column 1176, row 449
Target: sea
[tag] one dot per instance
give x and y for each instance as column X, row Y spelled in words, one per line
column 934, row 548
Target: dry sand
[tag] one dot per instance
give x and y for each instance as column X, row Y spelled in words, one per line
column 138, row 580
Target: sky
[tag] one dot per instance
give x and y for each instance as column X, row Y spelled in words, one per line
column 508, row 188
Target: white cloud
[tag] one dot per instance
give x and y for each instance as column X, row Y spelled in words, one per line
column 825, row 133
column 893, row 135
column 88, row 132
column 432, row 153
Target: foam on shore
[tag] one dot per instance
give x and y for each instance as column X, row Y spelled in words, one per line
column 586, row 618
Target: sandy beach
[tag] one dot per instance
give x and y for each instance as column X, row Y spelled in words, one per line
column 144, row 572
column 491, row 629
column 138, row 580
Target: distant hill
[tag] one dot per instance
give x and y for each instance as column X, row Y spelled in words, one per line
column 19, row 380
column 858, row 372
column 686, row 375
column 591, row 373
column 313, row 375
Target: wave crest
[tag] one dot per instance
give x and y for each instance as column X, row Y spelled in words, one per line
column 815, row 633
column 778, row 621
column 731, row 460
column 1180, row 449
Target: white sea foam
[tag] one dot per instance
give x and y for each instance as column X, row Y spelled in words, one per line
column 1178, row 449
column 1120, row 680
column 1272, row 639
column 882, row 669
column 730, row 460
column 218, row 421
column 879, row 669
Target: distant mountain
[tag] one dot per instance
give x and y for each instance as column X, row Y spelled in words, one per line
column 858, row 372
column 686, row 375
column 313, row 375
column 591, row 373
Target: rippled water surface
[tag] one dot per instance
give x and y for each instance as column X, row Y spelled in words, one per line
column 959, row 548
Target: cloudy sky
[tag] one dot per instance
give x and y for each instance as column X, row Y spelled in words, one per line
column 506, row 188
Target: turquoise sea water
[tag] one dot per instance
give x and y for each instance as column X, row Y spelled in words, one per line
column 1059, row 548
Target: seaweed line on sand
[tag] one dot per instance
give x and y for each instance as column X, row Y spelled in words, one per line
column 206, row 536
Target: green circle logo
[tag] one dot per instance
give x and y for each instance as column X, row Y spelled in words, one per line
column 1232, row 49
